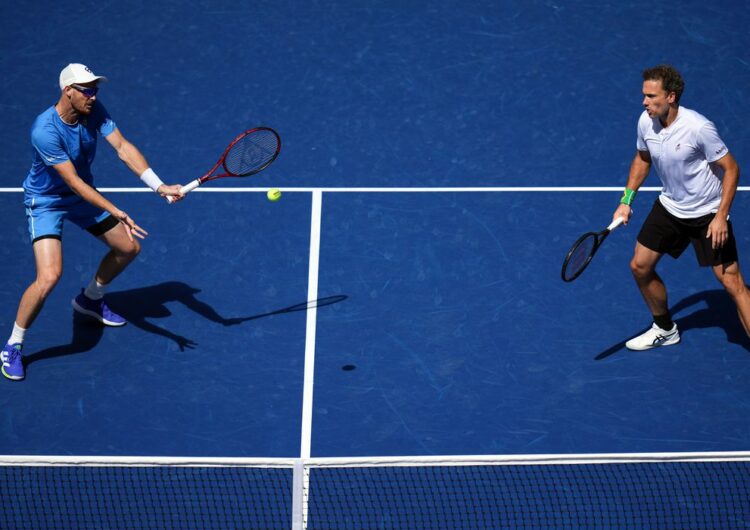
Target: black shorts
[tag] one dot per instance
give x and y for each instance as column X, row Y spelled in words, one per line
column 664, row 233
column 104, row 226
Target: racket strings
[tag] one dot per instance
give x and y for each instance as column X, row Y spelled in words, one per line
column 579, row 257
column 252, row 152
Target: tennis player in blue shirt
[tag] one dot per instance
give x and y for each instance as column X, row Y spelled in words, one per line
column 59, row 187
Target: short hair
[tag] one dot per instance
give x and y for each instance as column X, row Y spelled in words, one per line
column 670, row 78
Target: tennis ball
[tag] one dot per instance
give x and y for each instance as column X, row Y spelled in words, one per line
column 273, row 195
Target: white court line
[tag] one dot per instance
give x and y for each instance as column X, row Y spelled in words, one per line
column 373, row 461
column 533, row 459
column 505, row 189
column 312, row 313
column 300, row 479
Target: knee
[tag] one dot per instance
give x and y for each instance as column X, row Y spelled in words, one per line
column 639, row 270
column 734, row 285
column 129, row 251
column 135, row 249
column 736, row 290
column 47, row 279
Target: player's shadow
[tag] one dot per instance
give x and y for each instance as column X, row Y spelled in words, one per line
column 719, row 311
column 140, row 305
column 86, row 334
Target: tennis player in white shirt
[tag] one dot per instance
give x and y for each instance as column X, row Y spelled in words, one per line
column 699, row 177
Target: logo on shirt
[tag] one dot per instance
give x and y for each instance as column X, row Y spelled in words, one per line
column 677, row 147
column 721, row 149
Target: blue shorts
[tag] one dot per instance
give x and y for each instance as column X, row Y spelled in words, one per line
column 46, row 214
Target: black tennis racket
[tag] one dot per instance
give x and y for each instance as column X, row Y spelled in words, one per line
column 582, row 252
column 250, row 153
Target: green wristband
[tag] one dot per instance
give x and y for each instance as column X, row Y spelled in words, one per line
column 627, row 196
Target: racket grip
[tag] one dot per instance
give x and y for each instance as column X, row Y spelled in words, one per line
column 617, row 222
column 187, row 188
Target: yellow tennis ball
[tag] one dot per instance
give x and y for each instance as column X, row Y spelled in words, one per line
column 273, row 195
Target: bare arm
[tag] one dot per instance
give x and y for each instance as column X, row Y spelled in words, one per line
column 718, row 230
column 137, row 163
column 70, row 176
column 128, row 153
column 639, row 169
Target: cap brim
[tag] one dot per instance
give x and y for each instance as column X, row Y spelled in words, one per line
column 97, row 78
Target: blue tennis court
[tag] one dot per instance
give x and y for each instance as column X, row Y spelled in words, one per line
column 438, row 160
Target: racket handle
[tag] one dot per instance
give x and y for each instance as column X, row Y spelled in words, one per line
column 617, row 222
column 190, row 186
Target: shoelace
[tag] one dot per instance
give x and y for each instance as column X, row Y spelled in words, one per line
column 13, row 354
column 663, row 338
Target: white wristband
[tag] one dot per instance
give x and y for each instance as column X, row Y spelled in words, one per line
column 151, row 179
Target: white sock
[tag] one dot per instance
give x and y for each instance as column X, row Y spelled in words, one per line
column 95, row 290
column 18, row 335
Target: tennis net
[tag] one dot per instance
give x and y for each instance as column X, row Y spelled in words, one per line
column 667, row 490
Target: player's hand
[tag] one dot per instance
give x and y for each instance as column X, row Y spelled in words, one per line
column 718, row 231
column 623, row 211
column 184, row 343
column 130, row 226
column 172, row 190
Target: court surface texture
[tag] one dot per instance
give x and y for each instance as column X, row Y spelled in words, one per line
column 438, row 160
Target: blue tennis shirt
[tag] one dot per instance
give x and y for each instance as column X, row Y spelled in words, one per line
column 55, row 141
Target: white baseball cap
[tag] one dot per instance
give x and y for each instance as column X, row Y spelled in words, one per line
column 76, row 73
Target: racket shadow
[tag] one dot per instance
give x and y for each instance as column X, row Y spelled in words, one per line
column 717, row 311
column 140, row 305
column 302, row 306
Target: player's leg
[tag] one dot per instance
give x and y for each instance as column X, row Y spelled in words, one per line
column 122, row 251
column 48, row 258
column 731, row 278
column 660, row 234
column 663, row 331
column 49, row 265
column 45, row 223
column 643, row 267
column 724, row 262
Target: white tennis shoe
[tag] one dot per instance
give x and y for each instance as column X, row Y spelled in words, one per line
column 653, row 338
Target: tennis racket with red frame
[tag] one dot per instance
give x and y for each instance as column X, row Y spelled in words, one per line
column 250, row 153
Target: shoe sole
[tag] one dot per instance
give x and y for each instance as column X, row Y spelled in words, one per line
column 96, row 316
column 669, row 342
column 12, row 377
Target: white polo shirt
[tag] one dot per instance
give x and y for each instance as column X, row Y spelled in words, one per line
column 682, row 155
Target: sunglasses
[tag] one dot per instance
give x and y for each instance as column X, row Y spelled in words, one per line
column 89, row 92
